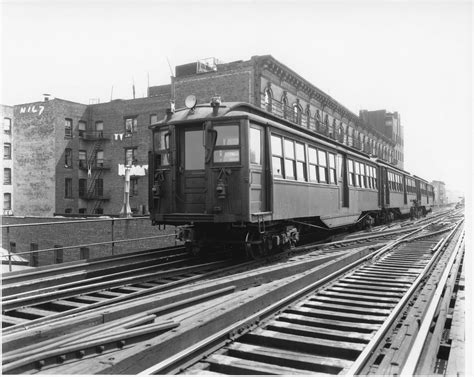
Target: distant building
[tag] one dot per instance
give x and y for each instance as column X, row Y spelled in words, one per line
column 6, row 115
column 440, row 193
column 390, row 125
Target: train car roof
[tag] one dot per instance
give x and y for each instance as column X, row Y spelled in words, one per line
column 242, row 109
column 228, row 110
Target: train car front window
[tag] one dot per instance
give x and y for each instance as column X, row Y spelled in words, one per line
column 227, row 136
column 161, row 145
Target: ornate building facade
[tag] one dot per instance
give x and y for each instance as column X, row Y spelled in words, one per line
column 265, row 82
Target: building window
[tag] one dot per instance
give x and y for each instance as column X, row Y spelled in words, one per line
column 284, row 105
column 7, row 151
column 131, row 125
column 82, row 187
column 99, row 128
column 68, row 158
column 297, row 110
column 99, row 211
column 153, row 118
column 332, row 129
column 81, row 126
column 82, row 159
column 7, row 176
column 99, row 187
column 7, row 201
column 68, row 128
column 130, row 156
column 308, row 117
column 267, row 98
column 82, row 211
column 59, row 252
column 7, row 125
column 68, row 210
column 277, row 156
column 68, row 188
column 133, row 186
column 100, row 159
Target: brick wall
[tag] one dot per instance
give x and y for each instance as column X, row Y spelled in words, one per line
column 72, row 234
column 233, row 83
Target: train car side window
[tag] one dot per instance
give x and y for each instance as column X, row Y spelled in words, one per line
column 277, row 156
column 332, row 168
column 290, row 168
column 255, row 146
column 322, row 162
column 351, row 172
column 313, row 164
column 357, row 174
column 368, row 172
column 227, row 139
column 300, row 163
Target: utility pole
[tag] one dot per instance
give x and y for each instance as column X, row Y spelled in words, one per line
column 126, row 211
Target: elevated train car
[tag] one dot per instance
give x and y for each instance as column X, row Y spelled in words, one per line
column 233, row 173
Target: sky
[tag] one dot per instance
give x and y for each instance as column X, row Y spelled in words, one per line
column 413, row 57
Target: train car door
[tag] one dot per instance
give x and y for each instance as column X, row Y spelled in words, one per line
column 257, row 171
column 405, row 197
column 387, row 187
column 342, row 180
column 418, row 191
column 191, row 184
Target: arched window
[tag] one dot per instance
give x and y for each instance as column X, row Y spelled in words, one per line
column 317, row 120
column 267, row 98
column 340, row 133
column 297, row 110
column 284, row 105
column 350, row 135
column 332, row 129
column 307, row 116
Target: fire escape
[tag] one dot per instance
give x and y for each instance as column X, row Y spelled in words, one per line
column 94, row 191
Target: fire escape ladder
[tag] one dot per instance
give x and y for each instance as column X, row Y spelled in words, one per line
column 96, row 173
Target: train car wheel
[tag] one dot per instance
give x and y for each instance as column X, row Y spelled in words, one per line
column 254, row 246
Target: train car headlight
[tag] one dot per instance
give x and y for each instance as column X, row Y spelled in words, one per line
column 221, row 189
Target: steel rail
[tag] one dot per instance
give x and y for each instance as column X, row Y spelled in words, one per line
column 96, row 287
column 195, row 352
column 411, row 363
column 379, row 336
column 119, row 279
column 89, row 278
column 91, row 265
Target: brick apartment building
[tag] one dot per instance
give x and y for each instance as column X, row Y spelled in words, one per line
column 70, row 157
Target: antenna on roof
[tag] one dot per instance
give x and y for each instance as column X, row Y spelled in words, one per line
column 111, row 93
column 172, row 82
